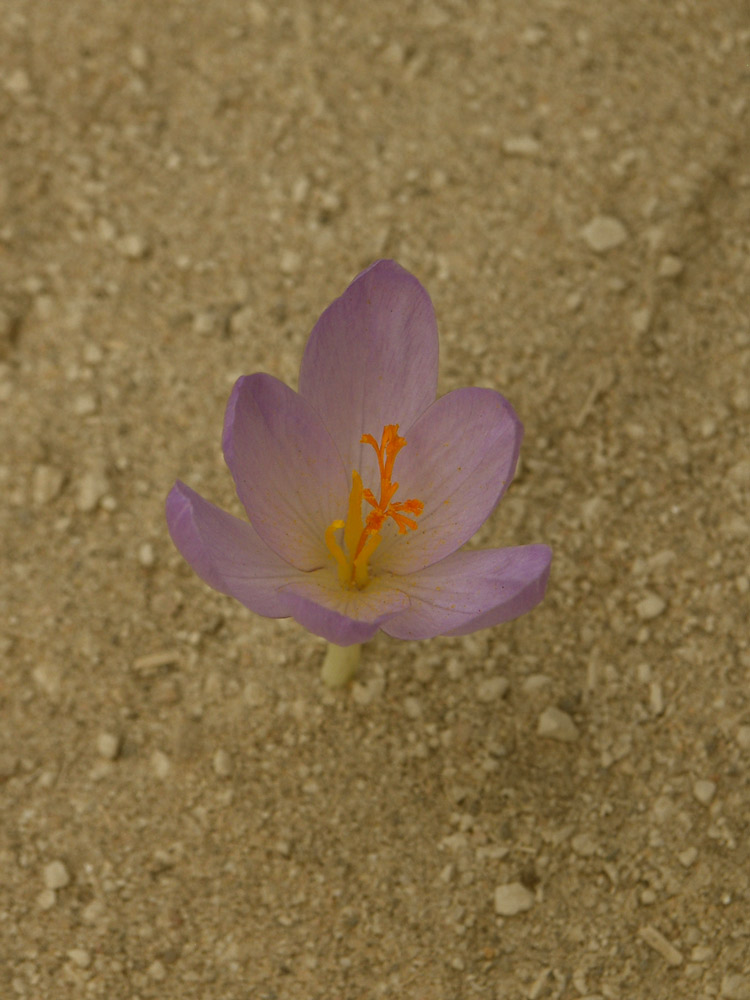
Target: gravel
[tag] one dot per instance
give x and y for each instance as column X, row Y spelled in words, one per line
column 656, row 940
column 554, row 724
column 492, row 689
column 704, row 791
column 650, row 607
column 180, row 197
column 108, row 745
column 604, row 233
column 512, row 898
column 56, row 875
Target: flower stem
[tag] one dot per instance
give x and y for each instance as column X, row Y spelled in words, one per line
column 340, row 664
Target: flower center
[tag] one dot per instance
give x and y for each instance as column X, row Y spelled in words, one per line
column 361, row 538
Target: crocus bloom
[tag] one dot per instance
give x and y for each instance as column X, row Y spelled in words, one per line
column 362, row 487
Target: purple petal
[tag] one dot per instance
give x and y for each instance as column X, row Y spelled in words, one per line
column 372, row 360
column 286, row 468
column 469, row 591
column 458, row 460
column 227, row 553
column 322, row 606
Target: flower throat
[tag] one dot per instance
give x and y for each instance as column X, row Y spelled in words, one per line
column 361, row 538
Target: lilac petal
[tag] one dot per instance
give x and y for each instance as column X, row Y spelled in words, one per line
column 322, row 606
column 372, row 360
column 472, row 590
column 227, row 553
column 286, row 468
column 458, row 460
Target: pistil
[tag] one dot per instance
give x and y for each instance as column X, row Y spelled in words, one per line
column 362, row 538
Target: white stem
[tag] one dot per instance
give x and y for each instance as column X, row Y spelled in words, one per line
column 340, row 664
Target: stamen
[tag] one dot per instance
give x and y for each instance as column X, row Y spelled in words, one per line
column 353, row 530
column 361, row 579
column 337, row 552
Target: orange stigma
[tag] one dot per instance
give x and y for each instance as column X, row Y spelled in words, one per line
column 362, row 538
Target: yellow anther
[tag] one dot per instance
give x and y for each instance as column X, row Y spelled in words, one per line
column 337, row 552
column 354, row 525
column 361, row 579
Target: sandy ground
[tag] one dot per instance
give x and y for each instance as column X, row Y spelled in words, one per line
column 185, row 812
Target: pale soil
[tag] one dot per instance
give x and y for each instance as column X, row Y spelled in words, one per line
column 183, row 188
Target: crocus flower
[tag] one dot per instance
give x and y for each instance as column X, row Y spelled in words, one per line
column 362, row 488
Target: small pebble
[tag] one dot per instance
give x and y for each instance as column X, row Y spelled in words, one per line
column 149, row 664
column 512, row 898
column 160, row 764
column 84, row 405
column 533, row 36
column 204, row 323
column 591, row 511
column 49, row 679
column 554, row 724
column 662, row 809
column 46, row 484
column 242, row 323
column 743, row 737
column 300, row 189
column 455, row 668
column 92, row 486
column 704, row 791
column 584, row 845
column 640, row 320
column 521, row 145
column 146, row 555
column 106, row 229
column 138, row 57
column 649, row 607
column 132, row 246
column 108, row 745
column 92, row 353
column 157, row 971
column 46, row 899
column 365, row 693
column 655, row 698
column 222, row 764
column 80, row 957
column 290, row 262
column 18, row 82
column 604, row 233
column 687, row 857
column 55, row 875
column 412, row 708
column 94, row 912
column 656, row 940
column 670, row 266
column 492, row 689
column 254, row 695
column 535, row 683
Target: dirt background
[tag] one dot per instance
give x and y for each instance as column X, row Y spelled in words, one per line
column 184, row 811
